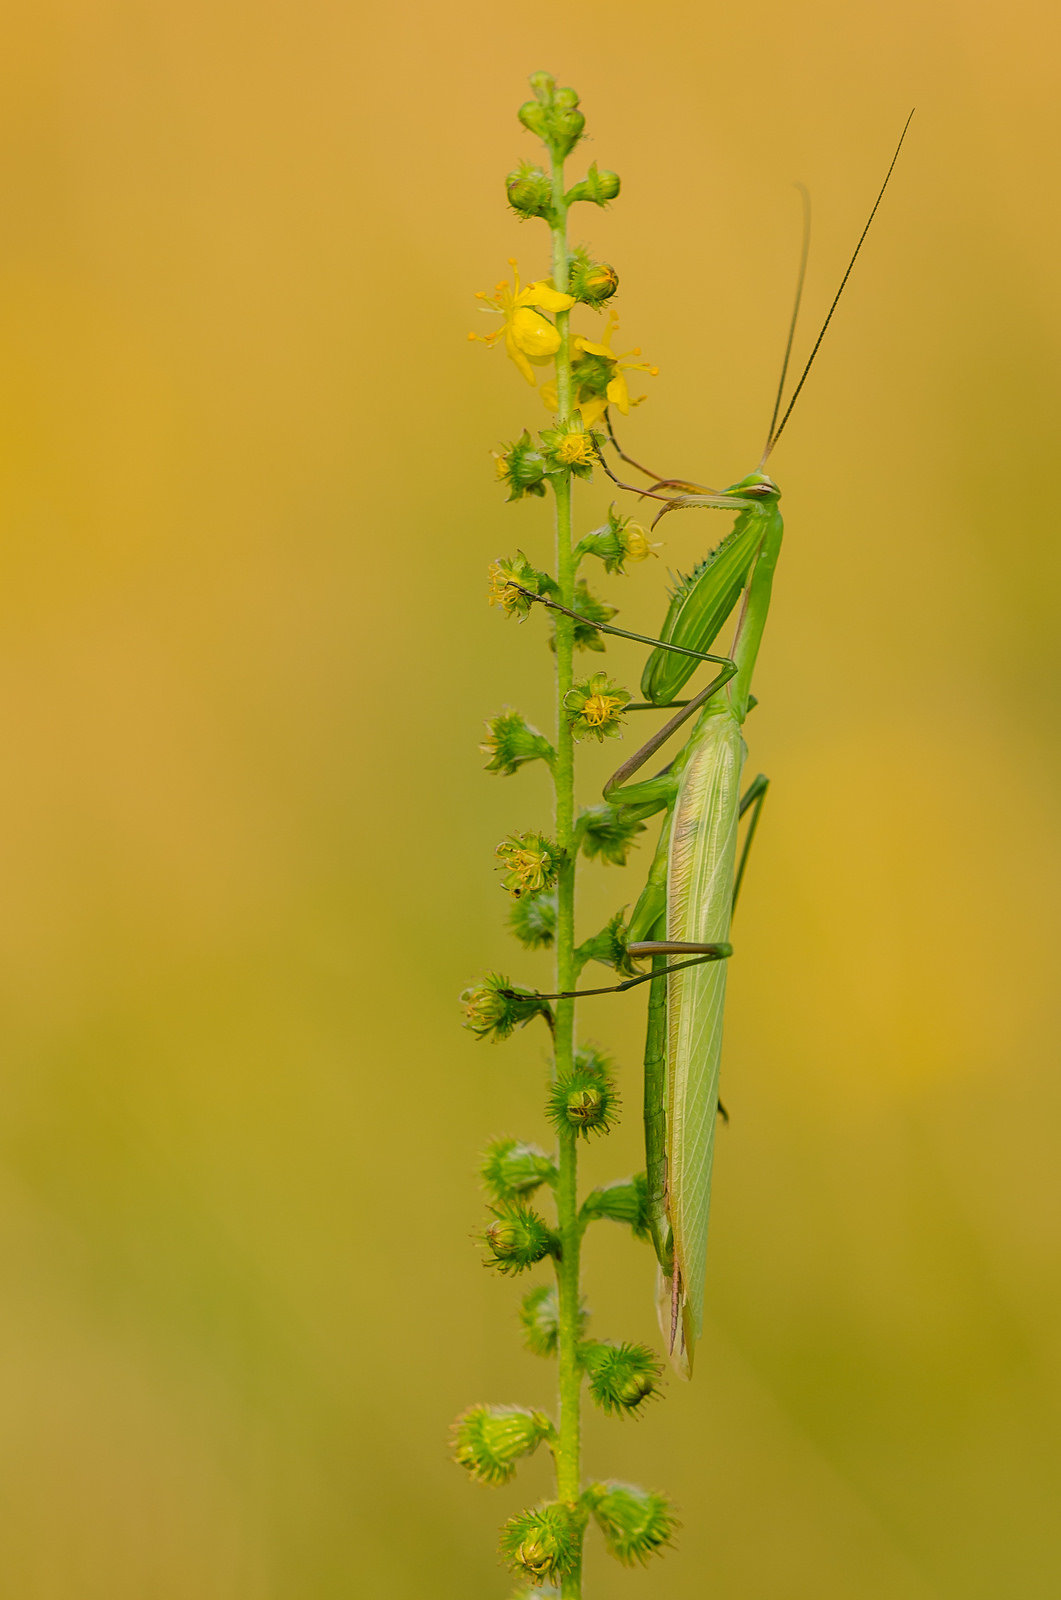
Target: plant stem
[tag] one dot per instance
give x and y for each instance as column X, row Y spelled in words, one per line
column 568, row 1446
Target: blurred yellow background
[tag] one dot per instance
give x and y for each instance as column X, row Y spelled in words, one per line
column 245, row 838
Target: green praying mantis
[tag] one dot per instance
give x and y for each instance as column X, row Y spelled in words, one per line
column 686, row 907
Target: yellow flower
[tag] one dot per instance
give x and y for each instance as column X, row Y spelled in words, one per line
column 531, row 340
column 593, row 404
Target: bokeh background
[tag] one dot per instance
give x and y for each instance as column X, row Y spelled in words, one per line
column 245, row 838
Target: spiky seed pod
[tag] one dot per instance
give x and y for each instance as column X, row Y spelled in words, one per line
column 586, row 1101
column 531, row 863
column 530, row 191
column 553, row 115
column 584, row 635
column 522, row 466
column 533, row 921
column 609, row 947
column 624, row 1201
column 517, row 1238
column 594, row 707
column 511, row 742
column 510, row 577
column 510, row 1169
column 545, row 1542
column 572, row 448
column 616, row 542
column 636, row 1523
column 598, row 187
column 591, row 282
column 494, row 1009
column 539, row 1316
column 490, row 1441
column 621, row 1376
column 607, row 833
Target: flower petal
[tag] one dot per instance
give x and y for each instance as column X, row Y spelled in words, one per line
column 619, row 394
column 543, row 294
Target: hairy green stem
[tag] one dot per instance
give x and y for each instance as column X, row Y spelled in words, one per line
column 567, row 1450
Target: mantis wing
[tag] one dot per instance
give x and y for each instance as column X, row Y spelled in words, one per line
column 703, row 851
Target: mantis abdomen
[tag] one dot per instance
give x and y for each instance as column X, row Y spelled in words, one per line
column 702, row 862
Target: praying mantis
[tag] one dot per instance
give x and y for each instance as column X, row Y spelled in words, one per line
column 687, row 904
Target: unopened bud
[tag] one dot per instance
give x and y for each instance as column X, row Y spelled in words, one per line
column 598, row 187
column 591, row 282
column 530, row 191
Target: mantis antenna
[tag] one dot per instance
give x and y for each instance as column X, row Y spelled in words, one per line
column 800, row 280
column 776, row 434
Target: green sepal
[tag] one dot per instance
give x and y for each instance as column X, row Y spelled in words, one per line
column 521, row 466
column 511, row 1170
column 623, row 1201
column 636, row 1523
column 699, row 605
column 511, row 742
column 546, row 1542
column 490, row 1441
column 490, row 1013
column 607, row 833
column 591, row 282
column 553, row 115
column 585, row 1099
column 621, row 1376
column 609, row 948
column 530, row 192
column 583, row 635
column 598, row 187
column 531, row 862
column 533, row 921
column 539, row 1316
column 518, row 1238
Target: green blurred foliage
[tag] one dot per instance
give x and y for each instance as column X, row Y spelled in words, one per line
column 245, row 841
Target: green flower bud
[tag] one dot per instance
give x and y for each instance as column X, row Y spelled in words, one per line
column 494, row 1009
column 607, row 833
column 545, row 1542
column 511, row 742
column 619, row 540
column 594, row 707
column 635, row 1522
column 508, row 579
column 591, row 282
column 533, row 921
column 609, row 947
column 583, row 635
column 510, row 1169
column 585, row 1099
column 553, row 115
column 530, row 192
column 517, row 1238
column 532, row 863
column 571, row 448
column 624, row 1201
column 489, row 1441
column 621, row 1376
column 599, row 187
column 522, row 466
column 539, row 1316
